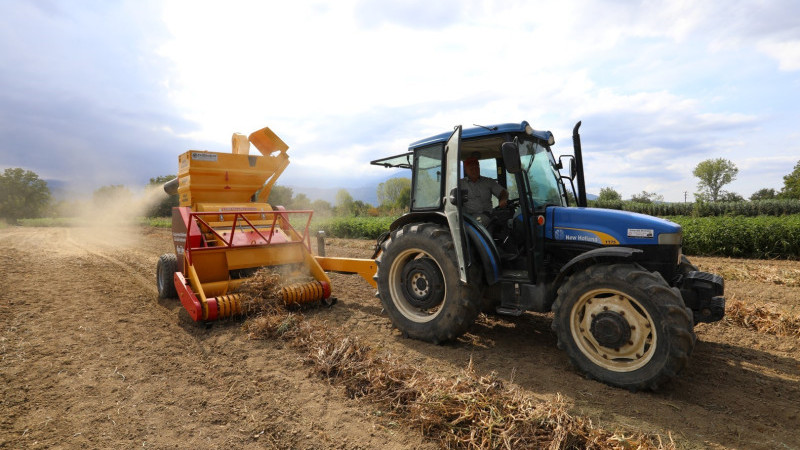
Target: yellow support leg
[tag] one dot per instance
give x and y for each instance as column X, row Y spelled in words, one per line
column 366, row 268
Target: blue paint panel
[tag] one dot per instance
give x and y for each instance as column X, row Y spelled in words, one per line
column 480, row 132
column 629, row 228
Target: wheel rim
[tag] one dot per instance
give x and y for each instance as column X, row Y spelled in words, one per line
column 613, row 330
column 417, row 284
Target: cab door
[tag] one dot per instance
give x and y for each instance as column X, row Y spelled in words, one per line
column 453, row 200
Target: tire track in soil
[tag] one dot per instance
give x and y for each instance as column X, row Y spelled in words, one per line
column 147, row 283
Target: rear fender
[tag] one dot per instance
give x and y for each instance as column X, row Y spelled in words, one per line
column 479, row 239
column 419, row 217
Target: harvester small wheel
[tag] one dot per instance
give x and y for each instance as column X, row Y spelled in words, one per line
column 419, row 284
column 623, row 325
column 165, row 275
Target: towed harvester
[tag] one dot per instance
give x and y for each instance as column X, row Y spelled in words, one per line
column 224, row 230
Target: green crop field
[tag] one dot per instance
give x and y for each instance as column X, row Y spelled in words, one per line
column 781, row 207
column 741, row 236
column 738, row 236
column 764, row 237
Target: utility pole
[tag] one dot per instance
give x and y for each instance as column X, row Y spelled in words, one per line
column 684, row 196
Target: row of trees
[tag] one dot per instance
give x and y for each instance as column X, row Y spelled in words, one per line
column 713, row 175
column 24, row 195
column 716, row 173
column 393, row 197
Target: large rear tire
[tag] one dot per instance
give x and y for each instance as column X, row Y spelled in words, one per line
column 165, row 275
column 623, row 325
column 419, row 285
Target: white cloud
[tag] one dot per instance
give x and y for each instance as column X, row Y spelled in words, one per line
column 787, row 53
column 659, row 85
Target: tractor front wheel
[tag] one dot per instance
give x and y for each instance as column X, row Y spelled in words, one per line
column 623, row 325
column 686, row 266
column 165, row 275
column 419, row 285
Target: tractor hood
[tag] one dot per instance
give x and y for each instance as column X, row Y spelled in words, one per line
column 609, row 227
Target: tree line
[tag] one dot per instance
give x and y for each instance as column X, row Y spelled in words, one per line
column 713, row 175
column 24, row 195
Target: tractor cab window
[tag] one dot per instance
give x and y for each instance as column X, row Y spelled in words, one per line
column 426, row 191
column 539, row 167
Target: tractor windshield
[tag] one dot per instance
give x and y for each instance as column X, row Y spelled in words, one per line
column 539, row 167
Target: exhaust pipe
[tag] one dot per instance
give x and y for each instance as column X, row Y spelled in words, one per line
column 576, row 144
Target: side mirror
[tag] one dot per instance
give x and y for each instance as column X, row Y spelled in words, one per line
column 511, row 157
column 571, row 168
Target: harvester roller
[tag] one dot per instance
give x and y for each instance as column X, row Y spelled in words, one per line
column 303, row 293
column 228, row 305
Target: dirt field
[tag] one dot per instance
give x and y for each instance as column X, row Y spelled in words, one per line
column 90, row 357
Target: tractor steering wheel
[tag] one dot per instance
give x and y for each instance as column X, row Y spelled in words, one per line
column 511, row 204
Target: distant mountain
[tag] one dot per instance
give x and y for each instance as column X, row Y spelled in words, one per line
column 58, row 189
column 367, row 194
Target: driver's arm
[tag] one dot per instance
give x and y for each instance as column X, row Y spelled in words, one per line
column 503, row 198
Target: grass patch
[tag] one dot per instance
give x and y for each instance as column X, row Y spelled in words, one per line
column 354, row 227
column 471, row 411
column 156, row 222
column 50, row 222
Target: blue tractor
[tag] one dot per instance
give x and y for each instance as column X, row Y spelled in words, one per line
column 625, row 300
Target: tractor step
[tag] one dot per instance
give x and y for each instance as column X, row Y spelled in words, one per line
column 509, row 311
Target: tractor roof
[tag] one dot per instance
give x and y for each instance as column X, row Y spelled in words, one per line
column 481, row 131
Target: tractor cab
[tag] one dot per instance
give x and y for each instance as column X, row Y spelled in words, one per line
column 515, row 156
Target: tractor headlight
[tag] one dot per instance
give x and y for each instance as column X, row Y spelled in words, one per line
column 670, row 238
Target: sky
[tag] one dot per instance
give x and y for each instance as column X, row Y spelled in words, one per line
column 111, row 92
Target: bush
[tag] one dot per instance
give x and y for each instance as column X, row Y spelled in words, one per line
column 23, row 195
column 355, row 227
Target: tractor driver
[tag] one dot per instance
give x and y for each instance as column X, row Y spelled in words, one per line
column 479, row 192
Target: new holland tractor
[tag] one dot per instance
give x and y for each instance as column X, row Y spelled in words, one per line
column 624, row 298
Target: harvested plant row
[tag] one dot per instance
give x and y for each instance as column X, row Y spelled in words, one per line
column 762, row 320
column 470, row 411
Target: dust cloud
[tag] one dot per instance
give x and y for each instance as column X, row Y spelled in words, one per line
column 107, row 219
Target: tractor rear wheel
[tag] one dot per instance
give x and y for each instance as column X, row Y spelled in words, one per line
column 165, row 275
column 623, row 325
column 419, row 285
